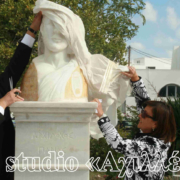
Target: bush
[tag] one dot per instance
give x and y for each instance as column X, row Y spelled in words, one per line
column 99, row 148
column 175, row 104
column 133, row 117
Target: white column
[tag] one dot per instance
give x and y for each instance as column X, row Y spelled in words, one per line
column 42, row 127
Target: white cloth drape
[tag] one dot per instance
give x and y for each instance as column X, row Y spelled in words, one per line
column 102, row 75
column 51, row 87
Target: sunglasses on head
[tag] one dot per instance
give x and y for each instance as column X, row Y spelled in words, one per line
column 144, row 114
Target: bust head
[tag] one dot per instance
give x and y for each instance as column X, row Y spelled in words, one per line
column 63, row 24
column 52, row 37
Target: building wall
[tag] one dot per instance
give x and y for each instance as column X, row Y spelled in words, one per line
column 149, row 62
column 176, row 58
column 157, row 78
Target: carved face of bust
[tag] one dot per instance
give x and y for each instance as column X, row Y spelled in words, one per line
column 52, row 37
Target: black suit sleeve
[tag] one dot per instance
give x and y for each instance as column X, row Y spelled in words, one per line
column 1, row 118
column 15, row 68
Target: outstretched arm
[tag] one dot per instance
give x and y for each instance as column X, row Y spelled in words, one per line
column 114, row 139
column 138, row 88
column 120, row 145
column 140, row 93
column 20, row 58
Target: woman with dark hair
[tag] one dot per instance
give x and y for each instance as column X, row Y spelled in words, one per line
column 158, row 130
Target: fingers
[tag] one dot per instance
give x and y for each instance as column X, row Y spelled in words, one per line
column 93, row 100
column 38, row 15
column 15, row 90
column 127, row 74
column 97, row 100
column 37, row 21
column 19, row 98
column 99, row 110
column 132, row 68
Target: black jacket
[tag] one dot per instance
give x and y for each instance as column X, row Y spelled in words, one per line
column 7, row 132
column 1, row 118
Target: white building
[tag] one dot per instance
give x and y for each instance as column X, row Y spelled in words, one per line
column 152, row 63
column 161, row 76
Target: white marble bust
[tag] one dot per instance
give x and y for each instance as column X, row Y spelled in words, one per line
column 66, row 71
column 59, row 75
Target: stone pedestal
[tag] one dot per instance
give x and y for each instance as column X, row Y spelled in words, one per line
column 43, row 127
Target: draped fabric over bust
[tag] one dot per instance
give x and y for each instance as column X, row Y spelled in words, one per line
column 51, row 87
column 102, row 75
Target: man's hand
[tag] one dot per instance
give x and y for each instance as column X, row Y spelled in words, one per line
column 131, row 74
column 37, row 21
column 99, row 108
column 36, row 24
column 10, row 98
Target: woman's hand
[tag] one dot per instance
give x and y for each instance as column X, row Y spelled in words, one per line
column 131, row 74
column 99, row 108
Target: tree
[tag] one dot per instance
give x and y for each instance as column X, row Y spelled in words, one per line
column 108, row 25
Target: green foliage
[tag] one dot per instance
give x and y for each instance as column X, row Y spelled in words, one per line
column 15, row 18
column 134, row 119
column 120, row 117
column 108, row 25
column 175, row 104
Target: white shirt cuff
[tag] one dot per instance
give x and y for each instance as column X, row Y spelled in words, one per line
column 28, row 40
column 104, row 115
column 1, row 110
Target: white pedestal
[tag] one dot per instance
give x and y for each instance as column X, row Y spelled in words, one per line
column 45, row 126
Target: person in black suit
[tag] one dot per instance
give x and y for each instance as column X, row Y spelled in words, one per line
column 7, row 95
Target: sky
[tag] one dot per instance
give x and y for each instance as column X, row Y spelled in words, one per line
column 162, row 29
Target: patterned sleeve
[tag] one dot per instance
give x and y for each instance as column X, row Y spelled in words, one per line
column 140, row 93
column 124, row 146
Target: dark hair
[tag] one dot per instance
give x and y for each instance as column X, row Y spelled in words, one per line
column 166, row 124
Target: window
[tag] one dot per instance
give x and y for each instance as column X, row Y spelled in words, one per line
column 170, row 90
column 138, row 62
column 151, row 67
